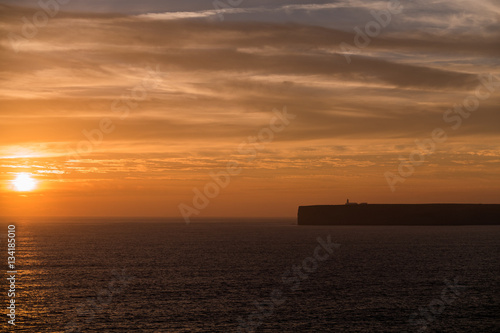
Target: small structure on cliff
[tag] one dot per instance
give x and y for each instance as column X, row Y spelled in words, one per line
column 354, row 203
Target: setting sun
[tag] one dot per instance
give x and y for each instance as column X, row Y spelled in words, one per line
column 24, row 182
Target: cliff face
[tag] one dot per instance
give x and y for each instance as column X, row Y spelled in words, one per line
column 421, row 214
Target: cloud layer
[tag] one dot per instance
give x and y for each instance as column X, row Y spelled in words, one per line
column 195, row 87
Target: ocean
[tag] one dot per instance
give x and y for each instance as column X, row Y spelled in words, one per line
column 249, row 275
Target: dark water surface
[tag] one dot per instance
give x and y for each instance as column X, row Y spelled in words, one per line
column 152, row 275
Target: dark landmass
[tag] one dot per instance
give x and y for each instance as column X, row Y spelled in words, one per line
column 400, row 214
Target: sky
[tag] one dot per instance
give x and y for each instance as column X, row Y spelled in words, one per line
column 182, row 109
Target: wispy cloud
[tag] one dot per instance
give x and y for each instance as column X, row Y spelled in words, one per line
column 225, row 78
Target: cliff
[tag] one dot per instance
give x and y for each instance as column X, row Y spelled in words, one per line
column 400, row 214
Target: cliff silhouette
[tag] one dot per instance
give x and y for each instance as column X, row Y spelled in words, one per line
column 399, row 214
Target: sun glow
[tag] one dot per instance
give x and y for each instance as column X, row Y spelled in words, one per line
column 24, row 183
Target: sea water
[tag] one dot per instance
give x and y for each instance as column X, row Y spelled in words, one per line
column 249, row 275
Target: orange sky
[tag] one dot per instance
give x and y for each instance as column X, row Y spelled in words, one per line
column 124, row 114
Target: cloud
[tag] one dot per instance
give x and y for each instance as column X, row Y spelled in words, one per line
column 220, row 82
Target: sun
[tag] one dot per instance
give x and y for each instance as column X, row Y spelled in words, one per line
column 24, row 182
